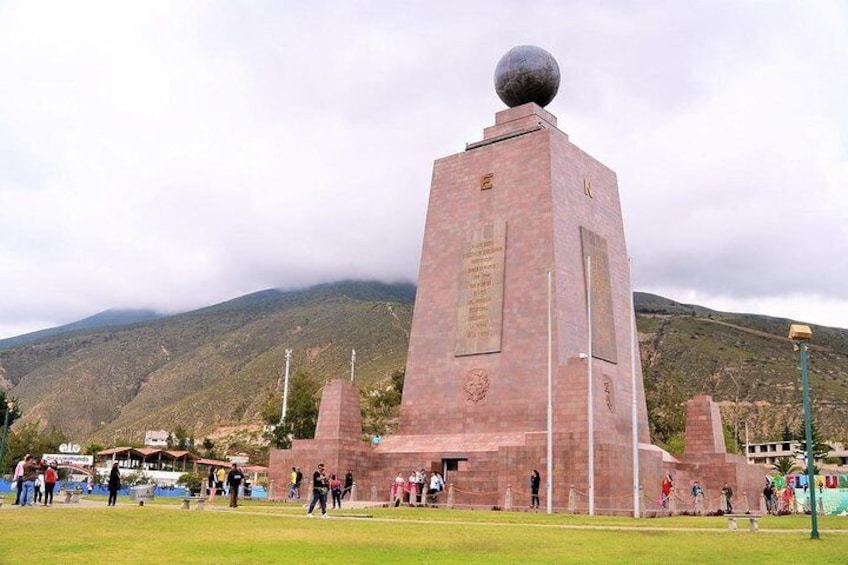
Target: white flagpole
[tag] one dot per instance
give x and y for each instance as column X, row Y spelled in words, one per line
column 286, row 387
column 634, row 413
column 550, row 470
column 590, row 395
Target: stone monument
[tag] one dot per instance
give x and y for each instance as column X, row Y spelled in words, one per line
column 524, row 273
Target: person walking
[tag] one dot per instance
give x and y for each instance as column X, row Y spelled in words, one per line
column 535, row 483
column 727, row 492
column 234, row 479
column 348, row 483
column 320, row 487
column 114, row 484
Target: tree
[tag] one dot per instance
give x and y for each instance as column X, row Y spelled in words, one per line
column 28, row 438
column 785, row 465
column 209, row 448
column 301, row 412
column 8, row 415
column 820, row 449
column 787, row 433
column 180, row 439
column 191, row 481
column 381, row 406
column 14, row 412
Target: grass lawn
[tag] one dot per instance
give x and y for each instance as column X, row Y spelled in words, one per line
column 257, row 532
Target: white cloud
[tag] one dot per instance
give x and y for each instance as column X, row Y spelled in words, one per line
column 171, row 155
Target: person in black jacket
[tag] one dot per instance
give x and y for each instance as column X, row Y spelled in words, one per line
column 114, row 485
column 535, row 482
column 320, row 488
column 234, row 479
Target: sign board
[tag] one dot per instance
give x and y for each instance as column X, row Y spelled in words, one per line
column 69, row 459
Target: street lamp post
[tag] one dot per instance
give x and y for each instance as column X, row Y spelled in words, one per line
column 800, row 335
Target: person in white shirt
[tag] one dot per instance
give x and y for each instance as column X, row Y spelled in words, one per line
column 17, row 478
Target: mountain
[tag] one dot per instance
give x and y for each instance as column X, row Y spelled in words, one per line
column 212, row 371
column 109, row 318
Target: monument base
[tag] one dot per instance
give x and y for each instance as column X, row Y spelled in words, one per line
column 492, row 470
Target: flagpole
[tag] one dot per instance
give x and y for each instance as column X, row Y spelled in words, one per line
column 590, row 396
column 634, row 412
column 286, row 387
column 550, row 469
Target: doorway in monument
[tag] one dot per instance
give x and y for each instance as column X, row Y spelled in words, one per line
column 452, row 466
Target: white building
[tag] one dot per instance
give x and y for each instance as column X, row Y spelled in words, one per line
column 156, row 438
column 769, row 452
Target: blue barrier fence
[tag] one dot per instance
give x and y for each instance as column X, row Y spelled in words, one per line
column 5, row 487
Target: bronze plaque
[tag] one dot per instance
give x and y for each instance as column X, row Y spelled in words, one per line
column 479, row 313
column 600, row 289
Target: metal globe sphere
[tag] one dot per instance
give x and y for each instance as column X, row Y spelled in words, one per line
column 527, row 74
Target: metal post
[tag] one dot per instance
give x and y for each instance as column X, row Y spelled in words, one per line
column 808, row 425
column 550, row 438
column 286, row 387
column 590, row 396
column 352, row 363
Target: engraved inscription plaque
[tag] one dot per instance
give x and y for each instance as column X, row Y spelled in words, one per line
column 479, row 313
column 603, row 320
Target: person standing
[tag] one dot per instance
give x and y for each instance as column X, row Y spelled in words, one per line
column 17, row 480
column 398, row 488
column 336, row 491
column 50, row 478
column 39, row 482
column 299, row 481
column 535, row 483
column 727, row 493
column 114, row 484
column 348, row 483
column 28, row 476
column 293, row 494
column 220, row 477
column 234, row 479
column 667, row 484
column 211, row 484
column 697, row 494
column 320, row 487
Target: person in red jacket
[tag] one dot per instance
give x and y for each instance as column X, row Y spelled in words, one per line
column 51, row 476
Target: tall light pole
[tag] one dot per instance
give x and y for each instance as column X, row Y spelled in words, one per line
column 800, row 335
column 286, row 387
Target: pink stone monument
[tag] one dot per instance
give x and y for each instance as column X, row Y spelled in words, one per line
column 519, row 208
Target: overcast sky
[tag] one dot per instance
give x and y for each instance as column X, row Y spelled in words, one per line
column 172, row 155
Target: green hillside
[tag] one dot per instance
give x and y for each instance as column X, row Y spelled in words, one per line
column 212, row 371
